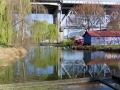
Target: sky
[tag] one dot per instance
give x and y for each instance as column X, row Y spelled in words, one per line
column 103, row 0
column 100, row 0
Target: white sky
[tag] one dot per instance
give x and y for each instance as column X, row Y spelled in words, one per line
column 101, row 0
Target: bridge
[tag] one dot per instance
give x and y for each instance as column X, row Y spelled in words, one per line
column 59, row 7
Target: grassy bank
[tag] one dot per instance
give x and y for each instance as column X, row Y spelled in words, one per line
column 9, row 54
column 46, row 85
column 97, row 47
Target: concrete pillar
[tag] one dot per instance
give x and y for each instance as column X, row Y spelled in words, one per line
column 57, row 20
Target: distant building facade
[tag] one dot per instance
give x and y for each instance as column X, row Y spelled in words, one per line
column 101, row 37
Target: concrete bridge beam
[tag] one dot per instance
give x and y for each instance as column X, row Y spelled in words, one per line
column 57, row 20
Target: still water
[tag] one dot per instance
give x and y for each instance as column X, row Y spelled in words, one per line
column 52, row 63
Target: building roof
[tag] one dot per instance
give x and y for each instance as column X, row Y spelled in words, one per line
column 103, row 33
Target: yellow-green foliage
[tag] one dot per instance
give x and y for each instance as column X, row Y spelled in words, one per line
column 8, row 9
column 1, row 62
column 5, row 24
column 43, row 30
column 45, row 57
column 53, row 32
column 13, row 15
column 39, row 30
column 67, row 43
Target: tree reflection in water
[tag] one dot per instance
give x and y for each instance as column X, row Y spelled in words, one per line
column 48, row 63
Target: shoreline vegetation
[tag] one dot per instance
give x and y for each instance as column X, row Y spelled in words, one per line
column 9, row 54
column 111, row 48
column 70, row 45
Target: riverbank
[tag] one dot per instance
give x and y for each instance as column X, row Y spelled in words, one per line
column 114, row 48
column 46, row 84
column 7, row 55
column 96, row 47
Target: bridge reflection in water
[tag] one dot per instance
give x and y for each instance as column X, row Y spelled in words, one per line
column 88, row 86
column 92, row 64
column 53, row 63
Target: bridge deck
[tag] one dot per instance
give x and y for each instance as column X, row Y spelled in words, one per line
column 105, row 2
column 68, row 4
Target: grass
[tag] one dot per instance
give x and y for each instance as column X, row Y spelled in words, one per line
column 37, row 88
column 67, row 43
column 1, row 47
column 106, row 46
column 1, row 62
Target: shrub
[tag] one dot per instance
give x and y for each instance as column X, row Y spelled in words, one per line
column 67, row 43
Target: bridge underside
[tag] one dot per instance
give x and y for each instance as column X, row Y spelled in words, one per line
column 56, row 8
column 50, row 8
column 65, row 6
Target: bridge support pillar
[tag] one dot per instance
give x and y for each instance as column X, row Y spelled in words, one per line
column 57, row 21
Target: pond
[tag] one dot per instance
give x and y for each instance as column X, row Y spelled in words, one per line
column 46, row 63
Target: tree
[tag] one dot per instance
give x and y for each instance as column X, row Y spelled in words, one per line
column 5, row 24
column 42, row 30
column 39, row 30
column 18, row 13
column 52, row 32
column 22, row 8
column 114, row 13
column 8, row 10
column 89, row 14
column 39, row 9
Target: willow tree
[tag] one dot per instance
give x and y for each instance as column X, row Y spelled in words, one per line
column 39, row 30
column 5, row 24
column 89, row 14
column 8, row 9
column 52, row 32
column 19, row 12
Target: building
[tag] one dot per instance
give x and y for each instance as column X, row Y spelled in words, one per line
column 101, row 37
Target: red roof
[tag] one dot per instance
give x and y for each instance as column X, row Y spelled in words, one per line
column 103, row 33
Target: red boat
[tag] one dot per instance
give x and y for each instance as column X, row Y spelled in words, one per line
column 79, row 42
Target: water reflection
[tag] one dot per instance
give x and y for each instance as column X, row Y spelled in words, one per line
column 51, row 63
column 88, row 86
column 40, row 64
column 97, row 64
